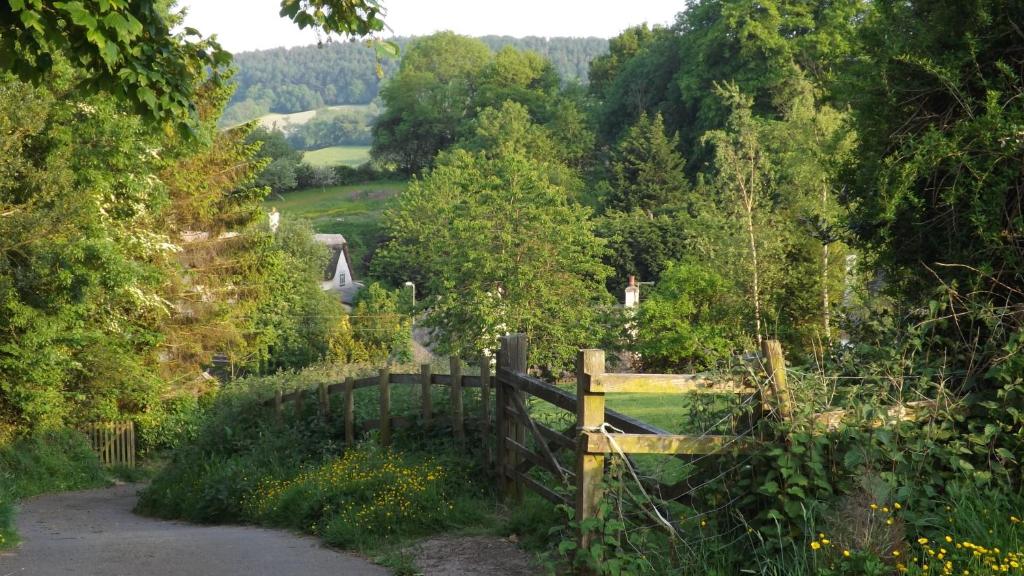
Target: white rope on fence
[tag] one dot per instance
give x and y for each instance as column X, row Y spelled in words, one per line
column 603, row 429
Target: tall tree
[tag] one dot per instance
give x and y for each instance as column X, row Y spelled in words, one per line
column 937, row 104
column 812, row 144
column 647, row 170
column 80, row 294
column 744, row 175
column 643, row 81
column 762, row 46
column 428, row 100
column 606, row 68
column 446, row 80
column 499, row 248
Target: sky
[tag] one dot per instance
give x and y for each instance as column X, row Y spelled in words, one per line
column 242, row 25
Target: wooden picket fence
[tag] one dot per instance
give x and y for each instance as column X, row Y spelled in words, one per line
column 113, row 442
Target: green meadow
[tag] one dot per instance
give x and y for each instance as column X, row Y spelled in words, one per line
column 353, row 210
column 337, row 156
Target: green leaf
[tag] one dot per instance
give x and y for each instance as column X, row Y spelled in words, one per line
column 147, row 95
column 289, row 8
column 797, row 491
column 110, row 54
column 78, row 13
column 386, row 48
column 31, row 19
column 119, row 25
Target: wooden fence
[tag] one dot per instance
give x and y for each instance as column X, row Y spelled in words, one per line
column 574, row 456
column 113, row 442
column 387, row 422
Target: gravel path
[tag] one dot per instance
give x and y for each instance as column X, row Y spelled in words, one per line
column 94, row 533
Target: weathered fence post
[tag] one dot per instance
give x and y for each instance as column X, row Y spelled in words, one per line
column 589, row 417
column 297, row 401
column 518, row 363
column 485, row 405
column 458, row 427
column 426, row 406
column 325, row 401
column 350, row 425
column 278, row 408
column 500, row 422
column 385, row 406
column 775, row 366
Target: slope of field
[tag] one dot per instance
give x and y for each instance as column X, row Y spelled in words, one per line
column 284, row 122
column 353, row 211
column 337, row 156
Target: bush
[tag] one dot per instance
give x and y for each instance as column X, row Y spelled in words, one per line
column 169, row 423
column 366, row 172
column 243, row 467
column 48, row 461
column 689, row 321
column 359, row 498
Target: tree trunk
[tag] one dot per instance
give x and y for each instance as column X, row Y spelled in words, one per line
column 825, row 316
column 749, row 206
column 826, row 319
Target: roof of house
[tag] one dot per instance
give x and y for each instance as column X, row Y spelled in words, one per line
column 330, row 239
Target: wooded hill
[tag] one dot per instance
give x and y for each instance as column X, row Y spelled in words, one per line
column 309, row 77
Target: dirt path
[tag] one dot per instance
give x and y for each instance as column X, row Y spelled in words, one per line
column 94, row 533
column 471, row 556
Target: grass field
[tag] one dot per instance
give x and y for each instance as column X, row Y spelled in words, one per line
column 337, row 155
column 353, row 211
column 285, row 121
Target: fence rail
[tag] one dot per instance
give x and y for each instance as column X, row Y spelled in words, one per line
column 386, row 422
column 113, row 442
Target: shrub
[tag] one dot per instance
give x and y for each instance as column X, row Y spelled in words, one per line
column 170, row 422
column 243, row 467
column 48, row 461
column 358, row 498
column 689, row 321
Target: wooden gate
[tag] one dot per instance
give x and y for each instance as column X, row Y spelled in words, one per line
column 113, row 442
column 524, row 444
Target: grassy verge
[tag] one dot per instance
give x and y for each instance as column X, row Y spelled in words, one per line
column 244, row 467
column 44, row 462
column 354, row 211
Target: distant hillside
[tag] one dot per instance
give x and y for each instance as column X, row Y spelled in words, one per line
column 286, row 80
